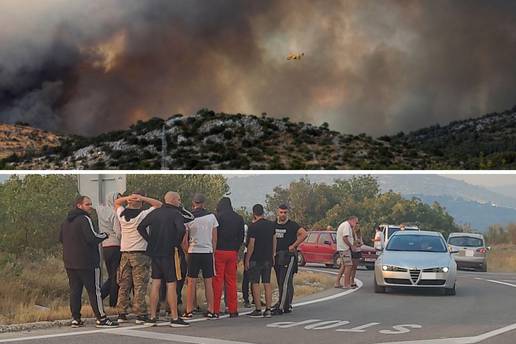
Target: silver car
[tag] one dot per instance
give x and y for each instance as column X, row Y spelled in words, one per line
column 416, row 259
column 471, row 250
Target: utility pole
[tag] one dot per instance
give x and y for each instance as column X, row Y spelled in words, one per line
column 163, row 149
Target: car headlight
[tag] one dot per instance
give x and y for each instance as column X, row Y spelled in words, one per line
column 393, row 268
column 445, row 269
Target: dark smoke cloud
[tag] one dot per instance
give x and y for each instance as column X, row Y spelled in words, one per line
column 369, row 66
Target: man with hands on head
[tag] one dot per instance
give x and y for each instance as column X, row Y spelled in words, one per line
column 134, row 264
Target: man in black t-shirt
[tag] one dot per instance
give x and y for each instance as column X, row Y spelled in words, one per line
column 260, row 259
column 289, row 235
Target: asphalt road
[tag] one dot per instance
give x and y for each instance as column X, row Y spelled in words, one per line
column 483, row 311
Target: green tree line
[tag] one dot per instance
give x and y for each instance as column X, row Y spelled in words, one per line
column 318, row 205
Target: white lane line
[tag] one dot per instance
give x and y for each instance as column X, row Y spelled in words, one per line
column 460, row 340
column 176, row 337
column 498, row 282
column 115, row 330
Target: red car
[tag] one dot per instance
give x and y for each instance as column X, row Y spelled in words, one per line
column 321, row 247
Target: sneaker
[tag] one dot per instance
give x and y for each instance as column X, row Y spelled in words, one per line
column 211, row 315
column 267, row 313
column 77, row 323
column 288, row 310
column 233, row 315
column 277, row 311
column 187, row 315
column 247, row 304
column 151, row 322
column 122, row 318
column 178, row 323
column 106, row 323
column 142, row 319
column 256, row 314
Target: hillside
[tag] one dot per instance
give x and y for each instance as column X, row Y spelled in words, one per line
column 487, row 142
column 209, row 140
column 20, row 140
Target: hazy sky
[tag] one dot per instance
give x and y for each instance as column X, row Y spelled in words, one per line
column 486, row 179
column 86, row 66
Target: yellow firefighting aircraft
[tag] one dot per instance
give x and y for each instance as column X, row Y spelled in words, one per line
column 295, row 56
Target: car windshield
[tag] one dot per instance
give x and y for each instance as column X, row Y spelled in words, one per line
column 416, row 243
column 466, row 241
column 393, row 230
column 334, row 237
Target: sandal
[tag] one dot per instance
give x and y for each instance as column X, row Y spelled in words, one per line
column 187, row 315
column 338, row 286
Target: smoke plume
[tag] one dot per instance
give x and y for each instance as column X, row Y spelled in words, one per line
column 369, row 66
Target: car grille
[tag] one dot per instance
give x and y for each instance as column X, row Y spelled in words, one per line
column 432, row 270
column 414, row 275
column 432, row 282
column 398, row 281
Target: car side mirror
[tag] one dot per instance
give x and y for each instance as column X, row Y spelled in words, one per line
column 326, row 242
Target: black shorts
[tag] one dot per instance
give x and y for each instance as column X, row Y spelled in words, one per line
column 164, row 268
column 356, row 255
column 200, row 261
column 259, row 270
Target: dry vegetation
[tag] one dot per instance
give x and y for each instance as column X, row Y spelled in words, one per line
column 502, row 258
column 38, row 290
column 17, row 139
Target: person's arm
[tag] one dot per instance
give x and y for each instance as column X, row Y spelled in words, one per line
column 142, row 227
column 301, row 236
column 347, row 242
column 89, row 234
column 274, row 244
column 120, row 202
column 250, row 250
column 184, row 244
column 151, row 201
column 116, row 228
column 214, row 238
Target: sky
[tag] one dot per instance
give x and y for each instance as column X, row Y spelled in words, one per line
column 379, row 67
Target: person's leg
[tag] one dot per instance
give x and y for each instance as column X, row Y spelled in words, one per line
column 255, row 287
column 339, row 274
column 141, row 267
column 125, row 284
column 75, row 283
column 288, row 286
column 112, row 273
column 353, row 272
column 190, row 291
column 245, row 286
column 91, row 280
column 268, row 295
column 180, row 283
column 106, row 286
column 172, row 300
column 347, row 276
column 154, row 297
column 230, row 276
column 280, row 271
column 218, row 280
column 208, row 290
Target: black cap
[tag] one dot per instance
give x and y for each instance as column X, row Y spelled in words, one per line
column 199, row 198
column 283, row 206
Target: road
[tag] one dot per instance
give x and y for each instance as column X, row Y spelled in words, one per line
column 483, row 311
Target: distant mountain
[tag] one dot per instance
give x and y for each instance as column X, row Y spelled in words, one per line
column 487, row 142
column 465, row 202
column 478, row 215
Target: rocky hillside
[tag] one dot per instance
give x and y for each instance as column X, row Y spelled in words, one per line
column 487, row 142
column 209, row 140
column 21, row 140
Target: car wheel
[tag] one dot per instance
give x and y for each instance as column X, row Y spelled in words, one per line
column 378, row 288
column 450, row 291
column 337, row 261
column 300, row 259
column 483, row 268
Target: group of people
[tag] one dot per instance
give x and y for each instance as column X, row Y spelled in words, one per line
column 171, row 245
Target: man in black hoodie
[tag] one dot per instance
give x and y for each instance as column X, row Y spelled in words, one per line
column 166, row 230
column 230, row 235
column 81, row 255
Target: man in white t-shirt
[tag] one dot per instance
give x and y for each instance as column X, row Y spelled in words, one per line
column 200, row 244
column 134, row 264
column 345, row 247
column 378, row 239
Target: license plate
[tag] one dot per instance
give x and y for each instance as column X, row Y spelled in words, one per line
column 470, row 253
column 429, row 275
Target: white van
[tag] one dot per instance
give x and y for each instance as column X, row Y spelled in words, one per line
column 389, row 230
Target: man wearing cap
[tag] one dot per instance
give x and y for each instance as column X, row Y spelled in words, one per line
column 134, row 264
column 163, row 229
column 289, row 236
column 200, row 243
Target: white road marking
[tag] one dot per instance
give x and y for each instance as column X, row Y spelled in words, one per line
column 176, row 337
column 495, row 281
column 460, row 340
column 358, row 329
column 401, row 329
column 324, row 325
column 289, row 324
column 56, row 335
